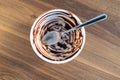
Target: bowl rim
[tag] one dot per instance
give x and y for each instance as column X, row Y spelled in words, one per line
column 48, row 60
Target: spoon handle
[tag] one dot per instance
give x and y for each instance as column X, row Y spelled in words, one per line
column 89, row 22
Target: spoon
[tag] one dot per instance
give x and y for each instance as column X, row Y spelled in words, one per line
column 53, row 37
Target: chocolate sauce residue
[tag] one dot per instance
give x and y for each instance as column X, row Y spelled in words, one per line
column 70, row 42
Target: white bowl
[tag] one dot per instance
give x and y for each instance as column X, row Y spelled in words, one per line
column 48, row 60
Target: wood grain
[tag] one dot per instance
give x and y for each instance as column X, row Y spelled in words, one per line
column 99, row 60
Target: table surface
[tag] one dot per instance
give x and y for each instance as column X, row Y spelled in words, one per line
column 99, row 60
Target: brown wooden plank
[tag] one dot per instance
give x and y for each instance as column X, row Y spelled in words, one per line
column 99, row 60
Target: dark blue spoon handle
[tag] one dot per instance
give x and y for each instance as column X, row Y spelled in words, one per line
column 89, row 22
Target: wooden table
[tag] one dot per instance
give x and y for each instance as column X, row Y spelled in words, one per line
column 99, row 60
